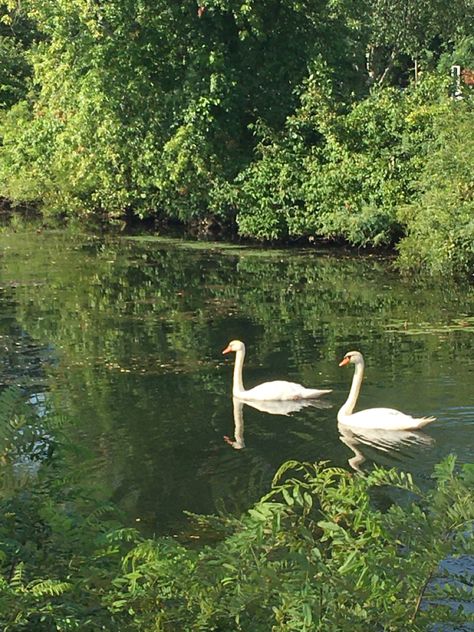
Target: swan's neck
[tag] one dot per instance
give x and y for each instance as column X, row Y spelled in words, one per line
column 238, row 385
column 351, row 401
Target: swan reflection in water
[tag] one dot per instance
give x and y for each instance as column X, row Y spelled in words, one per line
column 396, row 444
column 273, row 408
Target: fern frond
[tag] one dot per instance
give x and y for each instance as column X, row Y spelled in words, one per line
column 100, row 512
column 16, row 580
column 126, row 534
column 10, row 401
column 48, row 588
column 146, row 551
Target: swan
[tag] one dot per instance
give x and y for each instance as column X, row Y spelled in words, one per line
column 269, row 391
column 384, row 418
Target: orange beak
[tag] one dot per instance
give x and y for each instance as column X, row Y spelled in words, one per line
column 227, row 350
column 344, row 362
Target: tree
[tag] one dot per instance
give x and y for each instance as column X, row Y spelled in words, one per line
column 413, row 29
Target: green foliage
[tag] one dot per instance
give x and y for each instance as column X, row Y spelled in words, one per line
column 128, row 117
column 313, row 554
column 462, row 54
column 342, row 174
column 413, row 29
column 284, row 120
column 13, row 71
column 16, row 36
column 54, row 556
column 440, row 222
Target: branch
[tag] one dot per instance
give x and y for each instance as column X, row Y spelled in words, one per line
column 388, row 68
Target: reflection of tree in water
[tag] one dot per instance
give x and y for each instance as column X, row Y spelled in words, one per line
column 237, row 478
column 165, row 300
column 21, row 358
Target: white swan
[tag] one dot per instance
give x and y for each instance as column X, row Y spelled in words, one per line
column 269, row 391
column 387, row 418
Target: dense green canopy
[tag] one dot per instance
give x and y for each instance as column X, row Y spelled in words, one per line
column 281, row 120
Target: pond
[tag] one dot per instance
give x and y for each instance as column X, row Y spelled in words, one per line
column 125, row 335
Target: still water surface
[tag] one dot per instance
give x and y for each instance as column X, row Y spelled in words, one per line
column 126, row 336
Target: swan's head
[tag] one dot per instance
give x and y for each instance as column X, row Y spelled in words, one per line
column 234, row 345
column 354, row 357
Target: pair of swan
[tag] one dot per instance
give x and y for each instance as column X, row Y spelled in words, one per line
column 280, row 390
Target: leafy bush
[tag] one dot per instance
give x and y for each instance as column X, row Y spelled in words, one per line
column 440, row 222
column 258, row 115
column 16, row 36
column 56, row 558
column 126, row 118
column 13, row 71
column 341, row 173
column 314, row 554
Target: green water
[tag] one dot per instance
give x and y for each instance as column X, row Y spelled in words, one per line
column 126, row 335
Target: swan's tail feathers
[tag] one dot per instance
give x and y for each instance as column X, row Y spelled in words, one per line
column 424, row 421
column 314, row 392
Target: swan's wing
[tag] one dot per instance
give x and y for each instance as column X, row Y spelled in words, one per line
column 386, row 418
column 280, row 390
